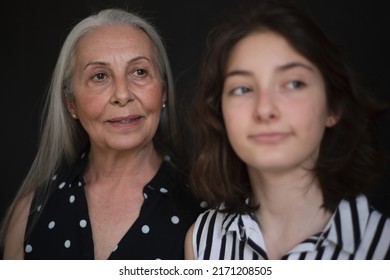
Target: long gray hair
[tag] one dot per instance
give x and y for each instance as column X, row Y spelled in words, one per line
column 62, row 138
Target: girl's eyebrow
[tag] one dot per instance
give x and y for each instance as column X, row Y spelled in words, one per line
column 282, row 68
column 238, row 73
column 291, row 65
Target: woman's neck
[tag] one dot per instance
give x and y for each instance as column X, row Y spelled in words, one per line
column 116, row 167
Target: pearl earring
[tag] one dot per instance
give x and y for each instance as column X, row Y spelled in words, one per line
column 74, row 116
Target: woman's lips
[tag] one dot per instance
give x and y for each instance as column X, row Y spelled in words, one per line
column 125, row 121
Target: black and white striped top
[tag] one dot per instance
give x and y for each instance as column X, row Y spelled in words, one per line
column 355, row 231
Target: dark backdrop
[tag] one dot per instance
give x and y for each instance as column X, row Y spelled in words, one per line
column 33, row 31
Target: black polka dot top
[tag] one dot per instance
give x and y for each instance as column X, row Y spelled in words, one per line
column 61, row 228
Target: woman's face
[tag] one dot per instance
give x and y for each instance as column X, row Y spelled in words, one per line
column 117, row 88
column 274, row 105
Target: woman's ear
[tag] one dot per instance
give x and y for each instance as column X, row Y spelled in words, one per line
column 164, row 99
column 70, row 105
column 164, row 96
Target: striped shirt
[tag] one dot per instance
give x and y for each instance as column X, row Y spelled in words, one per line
column 355, row 231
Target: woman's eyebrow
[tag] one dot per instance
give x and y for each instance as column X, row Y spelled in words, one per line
column 102, row 63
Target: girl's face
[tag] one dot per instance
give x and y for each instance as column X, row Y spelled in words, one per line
column 117, row 89
column 274, row 105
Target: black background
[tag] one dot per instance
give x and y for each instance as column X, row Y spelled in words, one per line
column 32, row 33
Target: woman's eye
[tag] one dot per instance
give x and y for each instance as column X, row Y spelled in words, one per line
column 240, row 90
column 295, row 84
column 139, row 72
column 99, row 76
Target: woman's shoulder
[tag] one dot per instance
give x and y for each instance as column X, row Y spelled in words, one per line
column 14, row 237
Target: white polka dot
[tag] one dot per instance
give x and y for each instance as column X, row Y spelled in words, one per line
column 80, row 184
column 203, row 204
column 70, row 185
column 67, row 244
column 175, row 220
column 167, row 158
column 163, row 190
column 116, row 247
column 51, row 224
column 145, row 229
column 39, row 208
column 72, row 198
column 158, row 259
column 54, row 177
column 28, row 248
column 61, row 185
column 145, row 196
column 83, row 223
column 82, row 155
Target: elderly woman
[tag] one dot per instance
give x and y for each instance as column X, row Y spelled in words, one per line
column 103, row 185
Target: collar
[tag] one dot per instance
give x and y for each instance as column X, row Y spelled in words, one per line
column 242, row 224
column 75, row 172
column 164, row 181
column 338, row 231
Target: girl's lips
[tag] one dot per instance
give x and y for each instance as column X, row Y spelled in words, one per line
column 269, row 137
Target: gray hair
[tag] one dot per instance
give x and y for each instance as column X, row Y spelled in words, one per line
column 62, row 138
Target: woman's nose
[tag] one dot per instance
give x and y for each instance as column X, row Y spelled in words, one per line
column 122, row 93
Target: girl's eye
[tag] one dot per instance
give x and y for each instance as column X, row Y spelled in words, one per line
column 295, row 84
column 99, row 76
column 240, row 90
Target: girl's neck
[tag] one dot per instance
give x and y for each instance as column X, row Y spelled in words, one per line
column 281, row 193
column 290, row 209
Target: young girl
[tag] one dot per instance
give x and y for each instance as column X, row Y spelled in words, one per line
column 286, row 152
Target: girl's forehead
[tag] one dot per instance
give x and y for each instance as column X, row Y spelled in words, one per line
column 259, row 49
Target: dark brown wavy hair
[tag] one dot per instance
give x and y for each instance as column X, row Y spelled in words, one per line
column 349, row 161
